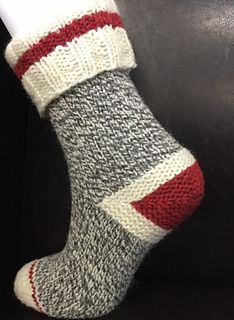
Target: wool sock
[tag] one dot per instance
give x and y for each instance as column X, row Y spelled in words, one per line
column 131, row 182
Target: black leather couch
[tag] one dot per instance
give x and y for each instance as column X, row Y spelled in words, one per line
column 185, row 54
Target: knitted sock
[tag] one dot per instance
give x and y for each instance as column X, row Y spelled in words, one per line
column 131, row 182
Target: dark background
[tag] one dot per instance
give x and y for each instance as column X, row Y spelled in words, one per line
column 185, row 55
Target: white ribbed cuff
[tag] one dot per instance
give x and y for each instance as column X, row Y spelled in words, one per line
column 84, row 39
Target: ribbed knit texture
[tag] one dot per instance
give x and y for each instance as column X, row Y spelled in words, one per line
column 131, row 182
column 85, row 40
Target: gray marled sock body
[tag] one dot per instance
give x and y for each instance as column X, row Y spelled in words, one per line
column 116, row 153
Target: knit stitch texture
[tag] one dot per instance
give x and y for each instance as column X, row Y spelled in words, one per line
column 86, row 40
column 115, row 149
column 131, row 182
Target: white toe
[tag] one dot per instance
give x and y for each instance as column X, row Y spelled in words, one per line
column 24, row 286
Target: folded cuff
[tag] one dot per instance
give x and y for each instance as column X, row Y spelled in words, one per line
column 82, row 41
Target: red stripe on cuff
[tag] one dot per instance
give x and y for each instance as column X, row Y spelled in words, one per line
column 175, row 200
column 75, row 29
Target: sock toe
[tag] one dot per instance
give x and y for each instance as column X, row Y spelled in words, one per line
column 25, row 288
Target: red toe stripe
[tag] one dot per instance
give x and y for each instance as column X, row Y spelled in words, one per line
column 31, row 280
